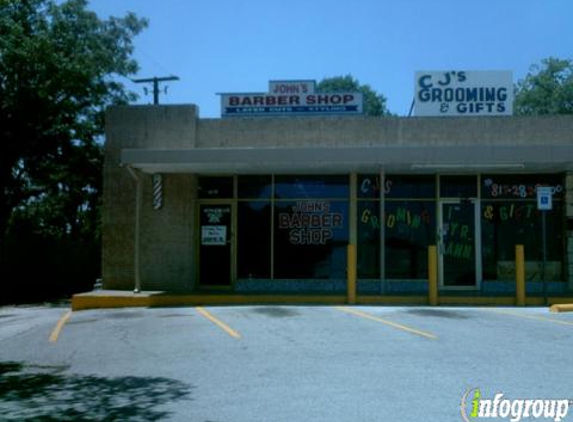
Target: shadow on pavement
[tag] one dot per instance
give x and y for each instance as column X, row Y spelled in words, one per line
column 439, row 313
column 46, row 393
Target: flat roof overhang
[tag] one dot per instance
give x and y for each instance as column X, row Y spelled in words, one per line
column 406, row 159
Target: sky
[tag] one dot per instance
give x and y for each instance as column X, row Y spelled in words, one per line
column 233, row 46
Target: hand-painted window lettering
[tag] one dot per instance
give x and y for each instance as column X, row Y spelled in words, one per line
column 498, row 189
column 396, row 186
column 310, row 222
column 404, row 217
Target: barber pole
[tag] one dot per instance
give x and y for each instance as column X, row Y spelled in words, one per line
column 157, row 191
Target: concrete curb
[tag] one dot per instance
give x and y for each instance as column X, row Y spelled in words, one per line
column 122, row 299
column 99, row 301
column 562, row 307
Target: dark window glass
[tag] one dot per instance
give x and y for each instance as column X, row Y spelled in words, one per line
column 254, row 240
column 457, row 243
column 295, row 187
column 410, row 186
column 215, row 187
column 255, row 187
column 311, row 239
column 368, row 265
column 215, row 246
column 458, row 186
column 519, row 186
column 505, row 224
column 410, row 229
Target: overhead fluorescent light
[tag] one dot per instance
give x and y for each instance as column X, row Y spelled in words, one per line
column 466, row 166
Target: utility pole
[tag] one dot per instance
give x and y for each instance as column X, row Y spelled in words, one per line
column 155, row 81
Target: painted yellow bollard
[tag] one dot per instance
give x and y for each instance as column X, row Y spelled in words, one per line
column 519, row 276
column 351, row 274
column 432, row 275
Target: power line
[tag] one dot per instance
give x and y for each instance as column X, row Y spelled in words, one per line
column 153, row 62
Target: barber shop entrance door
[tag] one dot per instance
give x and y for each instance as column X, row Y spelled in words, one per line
column 459, row 244
column 215, row 244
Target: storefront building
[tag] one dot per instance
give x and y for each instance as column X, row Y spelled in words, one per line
column 270, row 204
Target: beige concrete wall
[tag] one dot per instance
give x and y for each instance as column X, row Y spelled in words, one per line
column 166, row 235
column 365, row 131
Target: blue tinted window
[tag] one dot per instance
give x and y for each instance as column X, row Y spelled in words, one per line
column 300, row 187
column 311, row 239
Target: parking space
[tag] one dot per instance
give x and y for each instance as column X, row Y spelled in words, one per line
column 278, row 363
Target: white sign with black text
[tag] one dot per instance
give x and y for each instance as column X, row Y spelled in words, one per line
column 289, row 98
column 463, row 93
column 213, row 235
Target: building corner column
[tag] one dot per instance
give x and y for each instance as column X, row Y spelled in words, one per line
column 351, row 261
column 137, row 230
column 569, row 229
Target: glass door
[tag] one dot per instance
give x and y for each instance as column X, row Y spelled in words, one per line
column 458, row 244
column 215, row 245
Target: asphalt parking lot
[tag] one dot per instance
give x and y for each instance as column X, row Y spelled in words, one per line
column 278, row 363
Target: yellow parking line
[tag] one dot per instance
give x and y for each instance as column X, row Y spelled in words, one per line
column 539, row 318
column 218, row 322
column 386, row 322
column 59, row 327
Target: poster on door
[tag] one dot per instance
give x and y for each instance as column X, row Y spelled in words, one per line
column 213, row 235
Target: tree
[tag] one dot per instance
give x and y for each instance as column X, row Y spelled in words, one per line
column 59, row 65
column 374, row 104
column 547, row 89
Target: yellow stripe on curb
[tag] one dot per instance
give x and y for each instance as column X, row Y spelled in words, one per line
column 539, row 318
column 218, row 322
column 386, row 322
column 562, row 307
column 59, row 327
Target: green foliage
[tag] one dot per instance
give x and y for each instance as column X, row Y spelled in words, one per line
column 547, row 89
column 374, row 104
column 58, row 72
